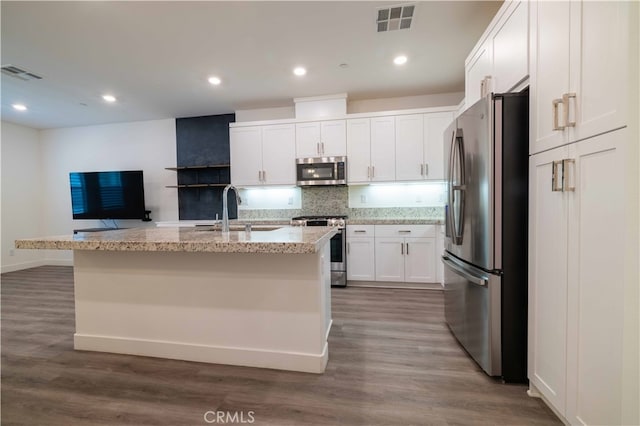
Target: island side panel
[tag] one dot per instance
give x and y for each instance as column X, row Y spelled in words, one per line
column 261, row 310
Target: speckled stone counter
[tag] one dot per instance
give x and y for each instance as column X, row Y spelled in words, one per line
column 390, row 221
column 262, row 239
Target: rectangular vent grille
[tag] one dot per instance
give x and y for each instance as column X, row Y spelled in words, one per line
column 13, row 71
column 395, row 17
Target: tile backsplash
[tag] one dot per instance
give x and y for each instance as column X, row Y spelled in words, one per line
column 403, row 202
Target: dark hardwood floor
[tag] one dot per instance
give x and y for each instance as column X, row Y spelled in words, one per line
column 392, row 362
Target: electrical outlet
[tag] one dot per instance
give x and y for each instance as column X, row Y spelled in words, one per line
column 363, row 199
column 12, row 252
column 418, row 199
column 290, row 201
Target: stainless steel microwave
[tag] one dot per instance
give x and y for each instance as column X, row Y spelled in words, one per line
column 321, row 171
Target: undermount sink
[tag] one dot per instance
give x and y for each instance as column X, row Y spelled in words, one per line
column 237, row 228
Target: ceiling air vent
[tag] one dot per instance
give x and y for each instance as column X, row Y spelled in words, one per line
column 13, row 71
column 395, row 17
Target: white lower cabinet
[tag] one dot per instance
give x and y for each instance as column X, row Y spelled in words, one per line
column 360, row 253
column 393, row 253
column 405, row 253
column 579, row 279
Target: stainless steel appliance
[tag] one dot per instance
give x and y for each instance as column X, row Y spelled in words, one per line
column 338, row 244
column 321, row 171
column 485, row 255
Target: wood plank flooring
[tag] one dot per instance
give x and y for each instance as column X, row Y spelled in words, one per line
column 392, row 362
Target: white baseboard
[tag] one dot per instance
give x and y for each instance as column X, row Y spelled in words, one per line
column 247, row 357
column 34, row 264
column 22, row 265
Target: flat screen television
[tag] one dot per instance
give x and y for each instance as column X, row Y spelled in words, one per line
column 107, row 195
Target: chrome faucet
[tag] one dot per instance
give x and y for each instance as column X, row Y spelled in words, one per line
column 225, row 209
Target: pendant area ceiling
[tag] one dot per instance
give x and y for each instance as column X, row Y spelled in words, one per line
column 156, row 57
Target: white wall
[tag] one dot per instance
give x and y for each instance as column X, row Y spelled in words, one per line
column 359, row 106
column 146, row 145
column 21, row 195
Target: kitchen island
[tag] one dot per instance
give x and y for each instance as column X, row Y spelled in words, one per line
column 259, row 298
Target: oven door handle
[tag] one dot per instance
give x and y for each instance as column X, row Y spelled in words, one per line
column 465, row 272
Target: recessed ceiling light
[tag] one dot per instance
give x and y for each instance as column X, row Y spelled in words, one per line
column 109, row 98
column 215, row 81
column 299, row 71
column 400, row 60
column 19, row 107
column 344, row 65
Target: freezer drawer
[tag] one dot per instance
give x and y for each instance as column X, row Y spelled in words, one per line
column 473, row 312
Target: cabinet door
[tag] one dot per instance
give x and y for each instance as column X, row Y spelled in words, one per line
column 308, row 139
column 419, row 260
column 409, row 147
column 597, row 235
column 478, row 67
column 333, row 138
column 383, row 149
column 547, row 280
column 511, row 49
column 434, row 126
column 245, row 144
column 389, row 259
column 278, row 155
column 599, row 67
column 358, row 150
column 549, row 70
column 361, row 259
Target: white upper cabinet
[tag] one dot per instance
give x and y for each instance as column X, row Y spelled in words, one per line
column 579, row 70
column 321, row 139
column 359, row 150
column 420, row 146
column 263, row 155
column 434, row 126
column 409, row 147
column 383, row 150
column 245, row 145
column 510, row 48
column 278, row 159
column 500, row 60
column 477, row 68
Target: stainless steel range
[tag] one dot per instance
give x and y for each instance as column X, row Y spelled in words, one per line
column 338, row 244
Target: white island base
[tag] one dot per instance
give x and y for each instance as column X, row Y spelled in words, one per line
column 251, row 309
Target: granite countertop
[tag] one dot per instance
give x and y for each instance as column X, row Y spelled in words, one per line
column 389, row 221
column 283, row 239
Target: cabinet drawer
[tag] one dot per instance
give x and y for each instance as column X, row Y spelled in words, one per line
column 360, row 231
column 415, row 231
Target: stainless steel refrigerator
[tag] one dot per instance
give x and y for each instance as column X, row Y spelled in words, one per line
column 485, row 257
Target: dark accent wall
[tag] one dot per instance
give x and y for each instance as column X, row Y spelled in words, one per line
column 203, row 141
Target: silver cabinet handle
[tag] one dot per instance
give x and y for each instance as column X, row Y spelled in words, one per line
column 348, row 248
column 322, row 147
column 359, row 231
column 421, row 169
column 404, row 232
column 260, row 175
column 555, row 178
column 373, row 171
column 318, row 148
column 426, row 169
column 264, row 176
column 565, row 105
column 368, row 172
column 565, row 174
column 407, row 249
column 401, row 248
column 556, row 125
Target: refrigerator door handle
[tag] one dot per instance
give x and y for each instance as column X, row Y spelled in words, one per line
column 464, row 272
column 457, row 149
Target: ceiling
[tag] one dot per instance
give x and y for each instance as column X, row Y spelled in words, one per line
column 156, row 57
